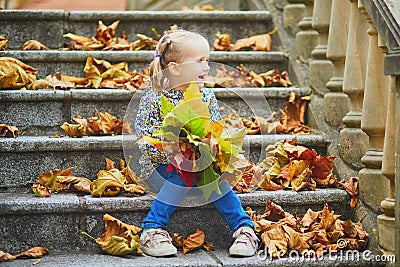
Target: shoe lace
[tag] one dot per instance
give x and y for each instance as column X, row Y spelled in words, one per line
column 246, row 236
column 159, row 236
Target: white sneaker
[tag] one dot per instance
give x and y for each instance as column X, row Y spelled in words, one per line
column 245, row 244
column 157, row 243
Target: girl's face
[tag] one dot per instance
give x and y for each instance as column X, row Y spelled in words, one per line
column 194, row 66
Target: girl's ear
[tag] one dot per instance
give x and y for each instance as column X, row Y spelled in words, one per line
column 174, row 68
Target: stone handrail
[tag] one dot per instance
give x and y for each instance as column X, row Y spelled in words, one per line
column 360, row 99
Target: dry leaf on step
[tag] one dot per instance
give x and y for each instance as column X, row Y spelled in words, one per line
column 193, row 241
column 119, row 238
column 34, row 45
column 35, row 252
column 8, row 131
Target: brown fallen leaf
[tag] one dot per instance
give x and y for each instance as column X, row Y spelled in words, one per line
column 4, row 256
column 56, row 136
column 315, row 233
column 14, row 74
column 119, row 238
column 59, row 180
column 3, row 43
column 177, row 241
column 351, row 187
column 35, row 252
column 8, row 131
column 261, row 42
column 193, row 241
column 208, row 246
column 275, row 241
column 110, row 164
column 34, row 45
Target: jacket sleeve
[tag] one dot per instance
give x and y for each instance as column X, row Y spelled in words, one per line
column 148, row 118
column 213, row 107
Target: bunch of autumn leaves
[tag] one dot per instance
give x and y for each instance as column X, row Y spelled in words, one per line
column 109, row 182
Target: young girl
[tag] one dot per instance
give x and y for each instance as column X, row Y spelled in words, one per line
column 181, row 57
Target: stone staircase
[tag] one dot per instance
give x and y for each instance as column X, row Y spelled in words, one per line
column 57, row 222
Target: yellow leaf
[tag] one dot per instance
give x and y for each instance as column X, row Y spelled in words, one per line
column 147, row 140
column 192, row 92
column 40, row 190
column 74, row 130
column 119, row 238
column 108, row 183
column 15, row 74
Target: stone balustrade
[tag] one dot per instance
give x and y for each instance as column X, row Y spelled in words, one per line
column 369, row 107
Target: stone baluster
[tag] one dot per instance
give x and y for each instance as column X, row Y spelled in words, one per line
column 386, row 221
column 372, row 183
column 353, row 141
column 336, row 53
column 293, row 13
column 320, row 69
column 307, row 38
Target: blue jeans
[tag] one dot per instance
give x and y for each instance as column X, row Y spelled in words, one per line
column 169, row 197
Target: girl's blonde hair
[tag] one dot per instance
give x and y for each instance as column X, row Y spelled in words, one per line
column 170, row 48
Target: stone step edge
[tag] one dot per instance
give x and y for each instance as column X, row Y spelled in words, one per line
column 197, row 258
column 140, row 56
column 109, row 95
column 27, row 203
column 134, row 15
column 93, row 143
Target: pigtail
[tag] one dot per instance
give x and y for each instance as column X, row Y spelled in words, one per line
column 159, row 63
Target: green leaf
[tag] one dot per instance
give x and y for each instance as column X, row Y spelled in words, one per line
column 209, row 182
column 166, row 106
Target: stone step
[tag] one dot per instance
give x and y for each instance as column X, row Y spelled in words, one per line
column 73, row 62
column 42, row 112
column 25, row 157
column 197, row 258
column 56, row 222
column 48, row 26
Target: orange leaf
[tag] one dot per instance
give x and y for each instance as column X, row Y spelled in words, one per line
column 110, row 164
column 275, row 241
column 193, row 241
column 34, row 45
column 351, row 187
column 107, row 122
column 35, row 252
